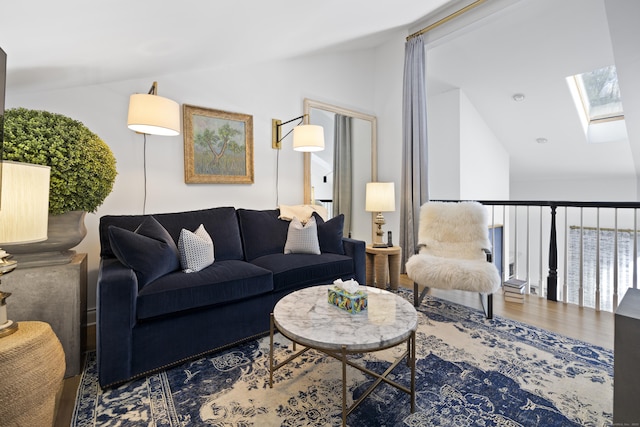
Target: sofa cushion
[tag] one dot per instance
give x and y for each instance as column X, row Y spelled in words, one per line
column 221, row 283
column 221, row 224
column 302, row 239
column 262, row 232
column 196, row 249
column 149, row 250
column 330, row 234
column 298, row 270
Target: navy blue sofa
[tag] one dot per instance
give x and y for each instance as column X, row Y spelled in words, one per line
column 144, row 327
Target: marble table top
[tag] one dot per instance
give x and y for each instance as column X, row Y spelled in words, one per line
column 306, row 317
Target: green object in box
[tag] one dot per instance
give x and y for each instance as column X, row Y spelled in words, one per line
column 353, row 303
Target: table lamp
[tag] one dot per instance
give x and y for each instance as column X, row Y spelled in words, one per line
column 24, row 216
column 380, row 197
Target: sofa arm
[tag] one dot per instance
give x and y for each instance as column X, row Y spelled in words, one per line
column 356, row 250
column 117, row 291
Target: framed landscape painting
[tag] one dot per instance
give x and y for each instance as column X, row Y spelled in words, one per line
column 218, row 146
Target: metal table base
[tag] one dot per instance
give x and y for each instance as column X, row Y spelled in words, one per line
column 409, row 353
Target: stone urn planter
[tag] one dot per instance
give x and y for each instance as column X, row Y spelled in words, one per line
column 83, row 172
column 65, row 231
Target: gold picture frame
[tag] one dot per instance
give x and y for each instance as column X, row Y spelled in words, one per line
column 218, row 146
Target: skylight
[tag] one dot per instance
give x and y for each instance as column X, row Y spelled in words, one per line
column 600, row 94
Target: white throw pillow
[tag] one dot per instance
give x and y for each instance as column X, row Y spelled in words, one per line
column 196, row 249
column 302, row 239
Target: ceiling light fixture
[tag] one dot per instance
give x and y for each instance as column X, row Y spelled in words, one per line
column 518, row 97
column 542, row 140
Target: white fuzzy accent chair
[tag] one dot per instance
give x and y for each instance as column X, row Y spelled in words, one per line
column 454, row 251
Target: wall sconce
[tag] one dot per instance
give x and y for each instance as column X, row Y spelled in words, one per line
column 305, row 137
column 152, row 114
column 380, row 197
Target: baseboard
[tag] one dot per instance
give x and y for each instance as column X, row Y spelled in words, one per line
column 91, row 316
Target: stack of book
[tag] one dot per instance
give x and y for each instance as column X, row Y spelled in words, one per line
column 514, row 290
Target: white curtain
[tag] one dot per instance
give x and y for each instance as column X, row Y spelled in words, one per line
column 414, row 189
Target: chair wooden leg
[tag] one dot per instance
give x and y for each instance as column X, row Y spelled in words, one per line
column 418, row 296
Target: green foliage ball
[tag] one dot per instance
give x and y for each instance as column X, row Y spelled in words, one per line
column 83, row 168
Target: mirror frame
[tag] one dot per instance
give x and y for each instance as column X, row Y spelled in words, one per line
column 308, row 104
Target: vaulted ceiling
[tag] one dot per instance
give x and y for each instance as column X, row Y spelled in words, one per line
column 77, row 42
column 528, row 47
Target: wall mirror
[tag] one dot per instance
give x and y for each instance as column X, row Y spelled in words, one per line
column 337, row 176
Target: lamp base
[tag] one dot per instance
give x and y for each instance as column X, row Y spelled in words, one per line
column 7, row 265
column 8, row 328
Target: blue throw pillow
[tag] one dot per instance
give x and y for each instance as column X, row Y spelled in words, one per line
column 330, row 234
column 263, row 233
column 149, row 250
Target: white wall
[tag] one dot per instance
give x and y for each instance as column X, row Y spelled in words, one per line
column 266, row 91
column 466, row 160
column 584, row 190
column 484, row 162
column 443, row 129
column 389, row 69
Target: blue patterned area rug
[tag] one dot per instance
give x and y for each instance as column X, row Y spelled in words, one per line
column 470, row 372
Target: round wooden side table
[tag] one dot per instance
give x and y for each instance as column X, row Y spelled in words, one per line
column 32, row 366
column 383, row 263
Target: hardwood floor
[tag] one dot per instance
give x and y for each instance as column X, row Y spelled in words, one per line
column 67, row 399
column 584, row 324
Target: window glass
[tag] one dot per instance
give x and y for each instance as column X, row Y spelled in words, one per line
column 600, row 94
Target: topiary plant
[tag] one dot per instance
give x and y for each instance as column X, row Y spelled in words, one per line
column 83, row 168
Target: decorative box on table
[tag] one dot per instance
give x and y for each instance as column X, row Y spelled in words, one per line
column 351, row 302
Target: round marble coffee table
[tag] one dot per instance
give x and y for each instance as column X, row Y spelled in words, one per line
column 306, row 318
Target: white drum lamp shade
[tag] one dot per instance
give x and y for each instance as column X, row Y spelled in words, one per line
column 380, row 197
column 308, row 138
column 153, row 115
column 24, row 204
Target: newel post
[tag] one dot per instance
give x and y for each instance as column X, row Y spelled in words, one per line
column 552, row 279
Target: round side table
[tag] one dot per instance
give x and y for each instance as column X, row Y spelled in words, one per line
column 383, row 263
column 32, row 366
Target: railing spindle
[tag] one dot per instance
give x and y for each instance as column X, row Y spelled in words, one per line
column 528, row 254
column 552, row 279
column 540, row 263
column 635, row 249
column 615, row 261
column 597, row 259
column 565, row 289
column 581, row 281
column 515, row 244
column 505, row 253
